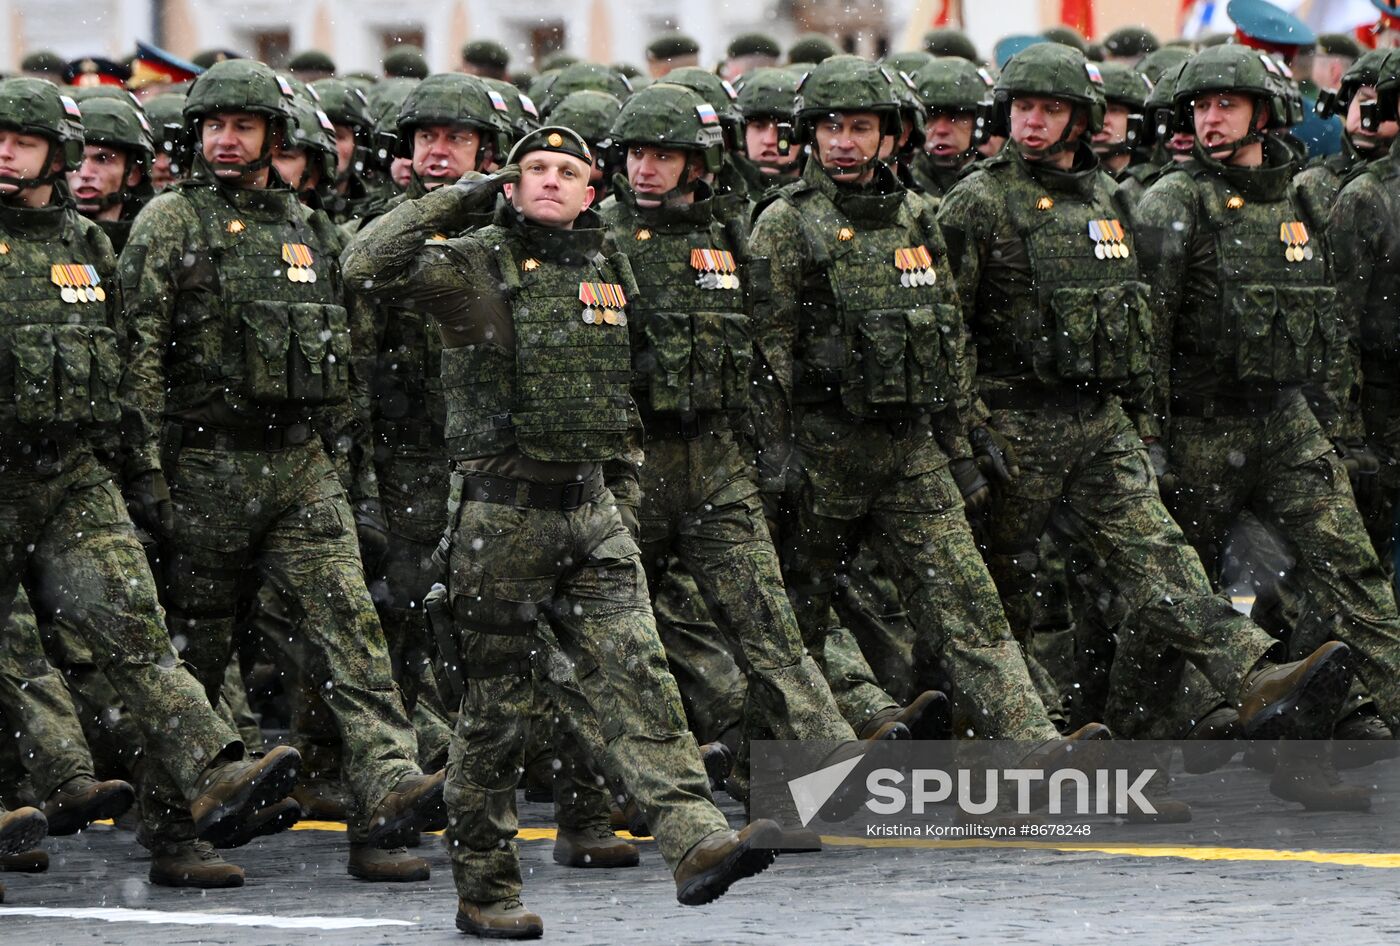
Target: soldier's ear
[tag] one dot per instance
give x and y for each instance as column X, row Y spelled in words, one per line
column 588, row 194
column 509, row 190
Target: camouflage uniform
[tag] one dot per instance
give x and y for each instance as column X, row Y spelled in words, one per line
column 238, row 351
column 701, row 300
column 860, row 447
column 65, row 533
column 535, row 532
column 953, row 86
column 1248, row 322
column 1064, row 338
column 36, row 706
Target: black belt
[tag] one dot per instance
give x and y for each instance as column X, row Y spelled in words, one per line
column 16, row 455
column 1207, row 407
column 240, row 438
column 1036, row 398
column 509, row 491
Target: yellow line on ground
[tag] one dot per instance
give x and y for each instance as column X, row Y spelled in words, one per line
column 1341, row 858
column 1383, row 860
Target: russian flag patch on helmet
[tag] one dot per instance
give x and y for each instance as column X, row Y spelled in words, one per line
column 70, row 107
column 1093, row 73
column 498, row 102
column 707, row 114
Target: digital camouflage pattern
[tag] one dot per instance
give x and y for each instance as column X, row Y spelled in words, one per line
column 852, row 478
column 1220, row 270
column 1030, row 270
column 509, row 565
column 206, row 274
column 691, row 331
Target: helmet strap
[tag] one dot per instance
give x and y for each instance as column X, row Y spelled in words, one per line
column 1062, row 144
column 45, row 179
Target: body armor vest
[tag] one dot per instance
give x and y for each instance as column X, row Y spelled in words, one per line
column 1380, row 317
column 60, row 360
column 884, row 340
column 269, row 330
column 1275, row 321
column 562, row 394
column 691, row 329
column 1087, row 319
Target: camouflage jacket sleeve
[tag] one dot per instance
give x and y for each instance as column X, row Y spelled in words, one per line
column 1164, row 225
column 777, row 237
column 969, row 216
column 394, row 264
column 951, row 426
column 106, row 441
column 346, row 428
column 165, row 237
column 1356, row 232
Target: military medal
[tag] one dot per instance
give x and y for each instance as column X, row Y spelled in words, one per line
column 603, row 303
column 716, row 269
column 297, row 256
column 1234, row 203
column 4, row 248
column 915, row 265
column 77, row 282
column 1108, row 237
column 1296, row 241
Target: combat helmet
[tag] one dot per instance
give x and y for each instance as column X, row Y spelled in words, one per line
column 951, row 84
column 242, row 85
column 1056, row 71
column 169, row 133
column 769, row 95
column 719, row 93
column 1372, row 68
column 517, row 108
column 580, row 76
column 313, row 131
column 453, row 98
column 37, row 107
column 671, row 116
column 345, row 105
column 119, row 124
column 1233, row 68
column 591, row 114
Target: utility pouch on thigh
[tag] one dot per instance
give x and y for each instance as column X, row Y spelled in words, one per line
column 451, row 685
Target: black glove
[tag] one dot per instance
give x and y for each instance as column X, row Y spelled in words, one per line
column 1157, row 455
column 148, row 501
column 1363, row 467
column 971, row 483
column 373, row 532
column 481, row 189
column 994, row 455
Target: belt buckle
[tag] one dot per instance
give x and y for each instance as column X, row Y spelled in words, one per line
column 572, row 496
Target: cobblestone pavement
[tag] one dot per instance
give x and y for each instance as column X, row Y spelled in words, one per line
column 298, row 892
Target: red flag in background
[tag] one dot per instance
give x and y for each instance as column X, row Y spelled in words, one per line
column 944, row 13
column 1078, row 14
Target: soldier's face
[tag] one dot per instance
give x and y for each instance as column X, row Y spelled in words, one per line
column 344, row 148
column 1222, row 118
column 232, row 140
column 22, row 157
column 1368, row 140
column 947, row 135
column 443, row 153
column 846, row 142
column 655, row 171
column 104, row 172
column 1115, row 126
column 291, row 165
column 553, row 188
column 161, row 176
column 1038, row 121
column 761, row 145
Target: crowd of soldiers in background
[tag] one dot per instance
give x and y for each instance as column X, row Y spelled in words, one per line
column 89, row 733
